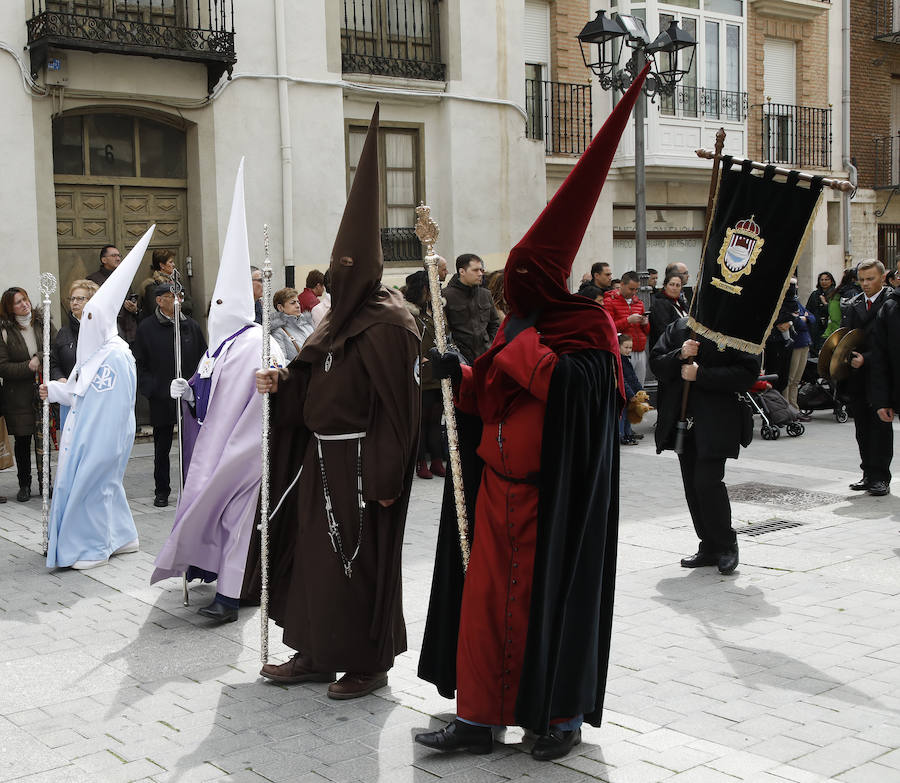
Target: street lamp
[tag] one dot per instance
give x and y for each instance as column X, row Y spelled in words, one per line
column 609, row 35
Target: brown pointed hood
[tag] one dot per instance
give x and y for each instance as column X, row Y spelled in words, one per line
column 358, row 298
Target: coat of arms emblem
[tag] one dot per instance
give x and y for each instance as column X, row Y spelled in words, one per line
column 740, row 249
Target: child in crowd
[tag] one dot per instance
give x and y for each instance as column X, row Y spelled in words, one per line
column 632, row 387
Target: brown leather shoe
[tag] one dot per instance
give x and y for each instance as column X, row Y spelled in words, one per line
column 352, row 686
column 297, row 669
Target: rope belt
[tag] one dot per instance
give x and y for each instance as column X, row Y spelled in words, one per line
column 334, row 532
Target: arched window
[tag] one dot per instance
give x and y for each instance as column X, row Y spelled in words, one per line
column 118, row 145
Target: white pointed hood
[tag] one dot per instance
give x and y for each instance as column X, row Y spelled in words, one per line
column 232, row 299
column 98, row 329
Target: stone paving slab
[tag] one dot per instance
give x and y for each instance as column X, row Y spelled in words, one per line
column 784, row 671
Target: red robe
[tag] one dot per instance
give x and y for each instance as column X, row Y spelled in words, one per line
column 497, row 593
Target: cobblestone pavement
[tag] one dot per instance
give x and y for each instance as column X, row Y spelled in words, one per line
column 785, row 671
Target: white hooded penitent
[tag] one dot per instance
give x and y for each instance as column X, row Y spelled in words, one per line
column 98, row 330
column 232, row 300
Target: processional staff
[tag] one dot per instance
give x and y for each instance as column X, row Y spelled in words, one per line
column 427, row 231
column 264, row 486
column 47, row 286
column 176, row 288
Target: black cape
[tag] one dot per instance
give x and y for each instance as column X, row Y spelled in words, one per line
column 570, row 621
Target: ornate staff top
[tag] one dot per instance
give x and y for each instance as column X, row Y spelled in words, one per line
column 47, row 284
column 426, row 229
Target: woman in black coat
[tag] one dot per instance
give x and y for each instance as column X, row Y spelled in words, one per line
column 21, row 349
column 665, row 306
column 817, row 304
column 715, row 434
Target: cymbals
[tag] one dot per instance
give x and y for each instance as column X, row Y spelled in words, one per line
column 839, row 368
column 827, row 349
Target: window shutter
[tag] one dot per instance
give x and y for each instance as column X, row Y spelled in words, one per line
column 537, row 32
column 780, row 80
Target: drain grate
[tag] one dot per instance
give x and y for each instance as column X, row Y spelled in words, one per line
column 785, row 497
column 761, row 528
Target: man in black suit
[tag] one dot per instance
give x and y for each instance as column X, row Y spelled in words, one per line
column 715, row 435
column 874, row 436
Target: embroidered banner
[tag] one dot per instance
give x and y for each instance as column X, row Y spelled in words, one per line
column 758, row 229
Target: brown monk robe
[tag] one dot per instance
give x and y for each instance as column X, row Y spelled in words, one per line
column 347, row 410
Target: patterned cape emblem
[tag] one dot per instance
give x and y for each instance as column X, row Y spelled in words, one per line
column 739, row 252
column 417, row 372
column 105, row 379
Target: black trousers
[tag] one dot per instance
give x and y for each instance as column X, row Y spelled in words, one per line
column 162, row 445
column 875, row 439
column 430, row 441
column 707, row 498
column 22, row 453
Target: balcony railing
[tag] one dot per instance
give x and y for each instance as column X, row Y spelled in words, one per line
column 392, row 38
column 560, row 114
column 887, row 162
column 795, row 135
column 887, row 21
column 401, row 245
column 695, row 102
column 193, row 30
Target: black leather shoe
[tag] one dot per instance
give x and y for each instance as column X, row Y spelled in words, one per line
column 699, row 560
column 879, row 488
column 728, row 560
column 219, row 612
column 458, row 735
column 161, row 501
column 862, row 484
column 556, row 744
column 24, row 494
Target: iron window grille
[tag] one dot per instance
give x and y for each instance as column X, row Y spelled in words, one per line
column 560, row 114
column 795, row 135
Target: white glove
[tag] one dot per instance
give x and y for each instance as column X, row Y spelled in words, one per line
column 180, row 388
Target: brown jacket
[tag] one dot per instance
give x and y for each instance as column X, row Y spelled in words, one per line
column 19, row 392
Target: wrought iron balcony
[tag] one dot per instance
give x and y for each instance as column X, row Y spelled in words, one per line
column 887, row 162
column 692, row 102
column 795, row 135
column 199, row 31
column 401, row 246
column 392, row 38
column 560, row 114
column 887, row 21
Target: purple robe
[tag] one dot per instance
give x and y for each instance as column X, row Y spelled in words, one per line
column 223, row 471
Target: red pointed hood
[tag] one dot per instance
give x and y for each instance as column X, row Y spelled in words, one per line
column 547, row 251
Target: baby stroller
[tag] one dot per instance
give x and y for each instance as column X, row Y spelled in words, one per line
column 774, row 410
column 818, row 394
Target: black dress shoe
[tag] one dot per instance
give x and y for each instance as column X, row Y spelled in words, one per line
column 161, row 501
column 24, row 494
column 862, row 484
column 728, row 560
column 556, row 744
column 879, row 488
column 219, row 612
column 699, row 560
column 458, row 735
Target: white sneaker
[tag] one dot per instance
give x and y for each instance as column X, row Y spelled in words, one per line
column 126, row 549
column 84, row 565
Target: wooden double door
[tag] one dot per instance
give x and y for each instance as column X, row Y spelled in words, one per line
column 91, row 216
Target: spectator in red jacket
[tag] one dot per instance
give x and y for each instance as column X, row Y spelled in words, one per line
column 315, row 287
column 627, row 311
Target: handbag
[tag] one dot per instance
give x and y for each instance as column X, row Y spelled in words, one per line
column 6, row 448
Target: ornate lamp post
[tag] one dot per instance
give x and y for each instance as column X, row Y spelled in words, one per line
column 675, row 49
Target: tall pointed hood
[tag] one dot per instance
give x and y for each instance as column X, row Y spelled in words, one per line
column 98, row 328
column 358, row 299
column 548, row 250
column 232, row 300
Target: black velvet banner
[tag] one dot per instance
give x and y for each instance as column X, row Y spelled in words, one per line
column 758, row 229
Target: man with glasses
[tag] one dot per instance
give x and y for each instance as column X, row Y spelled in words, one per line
column 127, row 320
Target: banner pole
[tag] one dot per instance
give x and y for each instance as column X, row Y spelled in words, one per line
column 682, row 426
